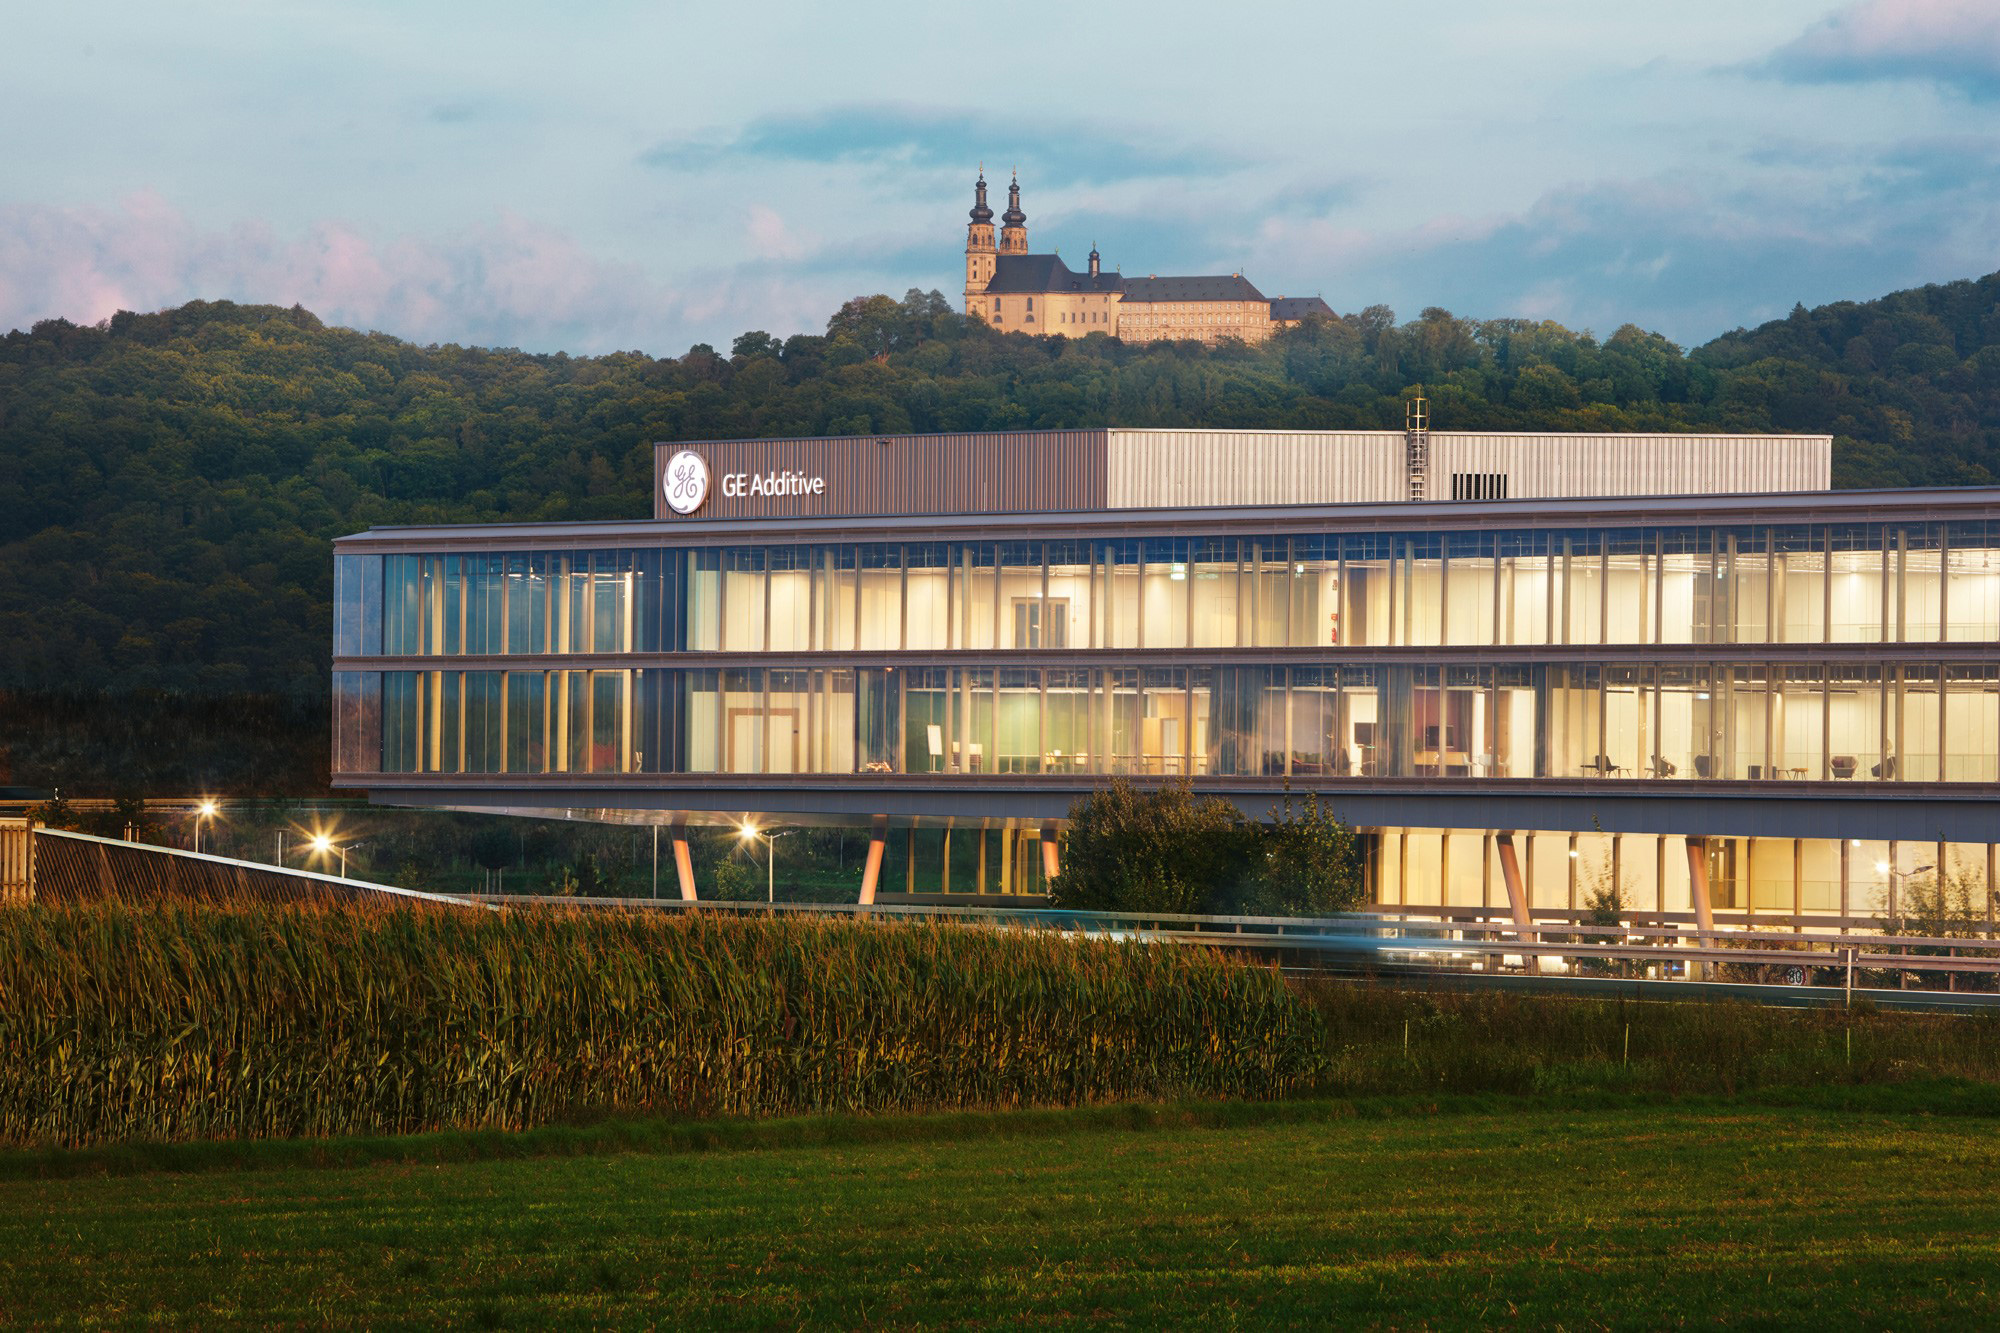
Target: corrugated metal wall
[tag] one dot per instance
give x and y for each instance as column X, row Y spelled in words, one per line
column 1197, row 468
column 1551, row 466
column 1147, row 469
column 1026, row 472
column 992, row 472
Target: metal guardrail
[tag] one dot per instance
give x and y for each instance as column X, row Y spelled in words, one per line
column 139, row 868
column 1389, row 940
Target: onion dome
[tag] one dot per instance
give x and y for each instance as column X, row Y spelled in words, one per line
column 980, row 212
column 1014, row 217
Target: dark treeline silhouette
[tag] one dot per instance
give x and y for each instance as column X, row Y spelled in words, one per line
column 169, row 482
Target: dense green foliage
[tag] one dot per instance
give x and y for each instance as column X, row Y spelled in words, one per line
column 1167, row 850
column 169, row 481
column 164, row 1023
column 1127, row 849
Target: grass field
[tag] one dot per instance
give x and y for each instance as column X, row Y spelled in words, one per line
column 1597, row 1212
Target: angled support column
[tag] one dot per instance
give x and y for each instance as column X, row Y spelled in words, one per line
column 878, row 834
column 1051, row 855
column 1704, row 911
column 1517, row 895
column 683, row 861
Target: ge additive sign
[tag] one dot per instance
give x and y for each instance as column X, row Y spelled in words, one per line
column 684, row 484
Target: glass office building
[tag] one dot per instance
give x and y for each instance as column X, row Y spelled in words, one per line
column 1776, row 702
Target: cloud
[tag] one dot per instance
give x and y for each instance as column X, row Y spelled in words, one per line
column 896, row 134
column 770, row 236
column 1952, row 43
column 508, row 282
column 1315, row 198
column 1688, row 255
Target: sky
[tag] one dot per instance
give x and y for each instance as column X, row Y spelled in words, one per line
column 611, row 176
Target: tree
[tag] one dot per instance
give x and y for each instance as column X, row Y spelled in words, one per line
column 1948, row 903
column 1307, row 862
column 732, row 882
column 581, row 878
column 1544, row 389
column 753, row 344
column 1166, row 850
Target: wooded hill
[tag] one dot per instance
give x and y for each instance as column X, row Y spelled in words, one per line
column 169, row 482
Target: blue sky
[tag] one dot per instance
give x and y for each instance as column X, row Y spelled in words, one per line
column 648, row 176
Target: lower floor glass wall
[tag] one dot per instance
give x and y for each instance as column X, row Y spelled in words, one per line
column 1780, row 878
column 1926, row 722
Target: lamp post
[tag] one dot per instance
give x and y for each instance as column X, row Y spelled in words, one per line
column 206, row 810
column 749, row 834
column 1895, row 902
column 324, row 845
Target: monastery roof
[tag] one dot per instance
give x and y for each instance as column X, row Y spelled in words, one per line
column 1034, row 274
column 1229, row 287
column 1299, row 307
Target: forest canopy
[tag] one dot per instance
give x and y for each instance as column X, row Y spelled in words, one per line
column 169, row 482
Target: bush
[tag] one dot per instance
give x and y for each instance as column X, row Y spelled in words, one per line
column 1150, row 851
column 1168, row 851
column 1305, row 862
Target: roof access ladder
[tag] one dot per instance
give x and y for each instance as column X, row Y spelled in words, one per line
column 1417, row 444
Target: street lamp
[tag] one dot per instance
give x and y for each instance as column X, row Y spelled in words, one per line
column 748, row 832
column 323, row 845
column 206, row 810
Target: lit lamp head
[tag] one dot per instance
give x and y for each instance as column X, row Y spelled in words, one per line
column 321, row 843
column 207, row 809
column 747, row 832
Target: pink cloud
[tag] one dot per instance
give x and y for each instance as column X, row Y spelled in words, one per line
column 506, row 282
column 1954, row 42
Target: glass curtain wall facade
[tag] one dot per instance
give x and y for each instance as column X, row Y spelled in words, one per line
column 1788, row 880
column 1845, row 653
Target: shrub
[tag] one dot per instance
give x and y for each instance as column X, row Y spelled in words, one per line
column 1305, row 862
column 1168, row 851
column 1150, row 851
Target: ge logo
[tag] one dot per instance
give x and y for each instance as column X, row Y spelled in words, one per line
column 685, row 484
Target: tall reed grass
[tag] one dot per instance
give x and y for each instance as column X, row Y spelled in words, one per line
column 178, row 1022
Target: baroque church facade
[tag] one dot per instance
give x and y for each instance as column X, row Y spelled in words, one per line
column 1018, row 292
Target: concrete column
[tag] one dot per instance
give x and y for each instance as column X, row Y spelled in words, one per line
column 1007, row 860
column 1704, row 912
column 871, row 873
column 1517, row 893
column 1051, row 862
column 683, row 862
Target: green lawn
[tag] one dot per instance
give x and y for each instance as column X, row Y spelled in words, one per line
column 1304, row 1216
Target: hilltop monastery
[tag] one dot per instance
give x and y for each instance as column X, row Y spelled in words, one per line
column 1017, row 292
